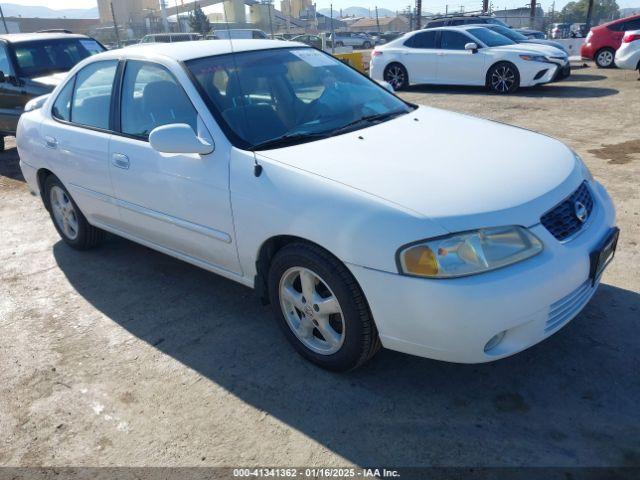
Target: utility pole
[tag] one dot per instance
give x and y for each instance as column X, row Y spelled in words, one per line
column 165, row 22
column 446, row 9
column 4, row 22
column 377, row 19
column 589, row 15
column 418, row 14
column 333, row 36
column 115, row 25
column 485, row 6
column 270, row 20
column 532, row 16
column 178, row 17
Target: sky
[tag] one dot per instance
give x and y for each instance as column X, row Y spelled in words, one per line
column 427, row 5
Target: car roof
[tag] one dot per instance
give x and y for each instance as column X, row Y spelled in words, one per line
column 183, row 51
column 29, row 37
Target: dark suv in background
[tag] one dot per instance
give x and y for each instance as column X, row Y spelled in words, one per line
column 453, row 20
column 32, row 64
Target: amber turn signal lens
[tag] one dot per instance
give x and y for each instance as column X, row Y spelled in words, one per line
column 420, row 260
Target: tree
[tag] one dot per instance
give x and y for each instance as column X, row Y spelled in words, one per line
column 198, row 21
column 603, row 10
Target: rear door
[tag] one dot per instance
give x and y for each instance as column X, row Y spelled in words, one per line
column 420, row 57
column 77, row 139
column 179, row 202
column 457, row 66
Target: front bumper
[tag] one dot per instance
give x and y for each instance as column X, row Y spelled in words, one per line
column 587, row 51
column 453, row 319
column 538, row 73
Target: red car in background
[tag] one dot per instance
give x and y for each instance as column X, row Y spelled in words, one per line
column 603, row 41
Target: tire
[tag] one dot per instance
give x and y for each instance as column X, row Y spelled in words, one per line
column 1, row 144
column 396, row 75
column 366, row 45
column 71, row 224
column 503, row 78
column 341, row 338
column 605, row 57
column 339, row 44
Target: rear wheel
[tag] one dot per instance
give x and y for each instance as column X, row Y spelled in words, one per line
column 396, row 75
column 321, row 308
column 366, row 45
column 69, row 221
column 339, row 44
column 503, row 78
column 605, row 58
column 1, row 144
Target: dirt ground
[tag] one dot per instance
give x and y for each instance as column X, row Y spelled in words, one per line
column 124, row 356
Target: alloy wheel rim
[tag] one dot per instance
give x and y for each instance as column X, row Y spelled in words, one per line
column 605, row 58
column 395, row 76
column 503, row 79
column 312, row 310
column 64, row 213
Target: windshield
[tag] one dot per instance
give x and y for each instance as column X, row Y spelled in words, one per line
column 490, row 38
column 300, row 93
column 509, row 33
column 44, row 57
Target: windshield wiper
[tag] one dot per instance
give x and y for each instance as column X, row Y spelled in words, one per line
column 368, row 119
column 289, row 139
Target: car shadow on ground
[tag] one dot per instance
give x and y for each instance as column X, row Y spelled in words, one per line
column 561, row 89
column 571, row 400
column 10, row 165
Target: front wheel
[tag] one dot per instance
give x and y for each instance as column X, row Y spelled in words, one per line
column 503, row 78
column 396, row 75
column 321, row 308
column 366, row 45
column 605, row 58
column 339, row 44
column 69, row 221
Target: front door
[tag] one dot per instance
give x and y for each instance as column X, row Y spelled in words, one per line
column 179, row 202
column 457, row 66
column 12, row 95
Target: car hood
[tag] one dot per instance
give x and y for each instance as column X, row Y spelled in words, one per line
column 532, row 48
column 50, row 80
column 460, row 171
column 549, row 43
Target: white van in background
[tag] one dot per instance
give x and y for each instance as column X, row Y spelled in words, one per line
column 239, row 33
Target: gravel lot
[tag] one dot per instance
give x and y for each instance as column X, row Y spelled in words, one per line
column 124, row 356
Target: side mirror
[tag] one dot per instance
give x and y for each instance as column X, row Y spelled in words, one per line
column 178, row 138
column 473, row 46
column 386, row 85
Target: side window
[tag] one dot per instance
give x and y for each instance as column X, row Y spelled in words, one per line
column 151, row 97
column 424, row 40
column 633, row 24
column 92, row 94
column 5, row 65
column 62, row 106
column 453, row 40
column 436, row 23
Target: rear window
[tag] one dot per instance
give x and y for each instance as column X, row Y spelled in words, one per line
column 43, row 57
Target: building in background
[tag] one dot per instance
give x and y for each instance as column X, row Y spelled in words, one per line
column 387, row 24
column 521, row 17
column 28, row 25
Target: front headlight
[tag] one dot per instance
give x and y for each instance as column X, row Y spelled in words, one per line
column 468, row 253
column 535, row 58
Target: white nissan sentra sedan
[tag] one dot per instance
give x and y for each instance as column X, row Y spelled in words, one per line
column 364, row 220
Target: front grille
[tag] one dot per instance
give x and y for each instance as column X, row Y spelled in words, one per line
column 562, row 221
column 568, row 307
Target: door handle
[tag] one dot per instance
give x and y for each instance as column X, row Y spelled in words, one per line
column 51, row 141
column 120, row 160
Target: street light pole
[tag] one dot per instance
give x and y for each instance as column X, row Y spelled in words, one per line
column 115, row 24
column 4, row 22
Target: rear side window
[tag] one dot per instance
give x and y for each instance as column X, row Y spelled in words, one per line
column 92, row 94
column 5, row 66
column 436, row 23
column 453, row 40
column 62, row 106
column 151, row 97
column 633, row 24
column 422, row 40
